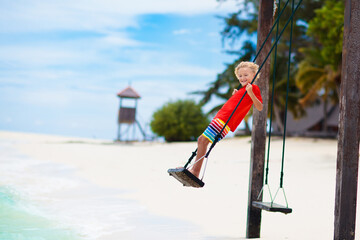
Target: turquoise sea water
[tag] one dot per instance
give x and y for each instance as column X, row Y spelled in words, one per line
column 22, row 213
column 43, row 200
column 19, row 220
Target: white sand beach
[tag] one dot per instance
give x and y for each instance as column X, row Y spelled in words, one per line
column 107, row 190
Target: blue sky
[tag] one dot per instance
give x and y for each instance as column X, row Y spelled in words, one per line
column 62, row 62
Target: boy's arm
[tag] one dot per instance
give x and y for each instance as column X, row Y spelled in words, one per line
column 258, row 105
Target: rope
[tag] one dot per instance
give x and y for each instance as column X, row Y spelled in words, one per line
column 276, row 23
column 194, row 162
column 218, row 136
column 191, row 158
column 272, row 104
column 285, row 119
column 206, row 161
column 261, row 66
column 283, row 191
column 271, row 30
column 286, row 102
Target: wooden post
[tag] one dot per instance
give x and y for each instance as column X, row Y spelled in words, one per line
column 258, row 135
column 349, row 126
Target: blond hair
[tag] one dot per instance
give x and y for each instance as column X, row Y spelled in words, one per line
column 253, row 66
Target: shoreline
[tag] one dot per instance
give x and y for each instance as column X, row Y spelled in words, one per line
column 217, row 211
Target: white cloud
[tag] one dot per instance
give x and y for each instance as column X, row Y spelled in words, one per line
column 35, row 63
column 38, row 15
column 181, row 32
column 50, row 15
column 118, row 39
column 31, row 56
column 102, row 50
column 73, row 53
column 162, row 70
column 79, row 75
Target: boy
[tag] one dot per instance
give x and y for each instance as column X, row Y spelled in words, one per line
column 245, row 72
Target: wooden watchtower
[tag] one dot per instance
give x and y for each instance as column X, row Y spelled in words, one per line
column 127, row 114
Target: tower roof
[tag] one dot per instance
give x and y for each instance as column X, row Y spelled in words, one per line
column 128, row 92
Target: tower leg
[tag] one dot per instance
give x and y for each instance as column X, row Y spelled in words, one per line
column 118, row 134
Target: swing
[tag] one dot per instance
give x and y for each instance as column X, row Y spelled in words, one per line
column 187, row 178
column 184, row 176
column 271, row 206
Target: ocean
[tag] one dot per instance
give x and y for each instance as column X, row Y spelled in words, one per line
column 43, row 200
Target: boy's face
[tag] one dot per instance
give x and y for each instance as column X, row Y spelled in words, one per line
column 246, row 75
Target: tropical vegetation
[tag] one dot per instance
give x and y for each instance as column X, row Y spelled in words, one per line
column 315, row 58
column 182, row 120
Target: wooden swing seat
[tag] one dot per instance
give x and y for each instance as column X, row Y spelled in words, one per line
column 186, row 177
column 271, row 207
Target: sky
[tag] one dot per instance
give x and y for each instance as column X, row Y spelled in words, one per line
column 63, row 62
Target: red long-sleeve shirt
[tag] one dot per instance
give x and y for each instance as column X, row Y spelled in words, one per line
column 244, row 107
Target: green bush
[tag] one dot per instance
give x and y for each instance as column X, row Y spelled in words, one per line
column 182, row 120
